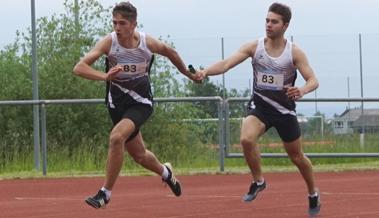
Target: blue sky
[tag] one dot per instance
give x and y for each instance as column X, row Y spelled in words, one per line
column 327, row 30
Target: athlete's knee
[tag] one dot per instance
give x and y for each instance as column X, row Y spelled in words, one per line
column 246, row 142
column 116, row 140
column 298, row 158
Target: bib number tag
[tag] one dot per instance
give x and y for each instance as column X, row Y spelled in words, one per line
column 134, row 68
column 270, row 81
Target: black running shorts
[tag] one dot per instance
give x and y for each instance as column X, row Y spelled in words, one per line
column 286, row 125
column 138, row 113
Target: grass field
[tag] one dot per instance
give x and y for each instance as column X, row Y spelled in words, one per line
column 89, row 160
column 233, row 166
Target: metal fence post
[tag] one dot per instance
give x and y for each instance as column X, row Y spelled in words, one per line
column 226, row 128
column 36, row 126
column 362, row 135
column 43, row 139
column 221, row 133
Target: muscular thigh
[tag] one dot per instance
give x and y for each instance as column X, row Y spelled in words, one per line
column 138, row 114
column 123, row 129
column 255, row 124
column 252, row 128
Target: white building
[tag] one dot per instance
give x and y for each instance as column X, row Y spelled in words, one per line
column 352, row 120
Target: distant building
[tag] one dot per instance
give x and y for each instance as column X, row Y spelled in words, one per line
column 352, row 121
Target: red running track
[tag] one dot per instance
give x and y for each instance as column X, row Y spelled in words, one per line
column 343, row 195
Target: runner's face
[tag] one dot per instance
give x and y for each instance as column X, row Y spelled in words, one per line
column 274, row 25
column 122, row 26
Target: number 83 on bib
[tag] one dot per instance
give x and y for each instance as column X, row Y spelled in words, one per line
column 270, row 81
column 135, row 68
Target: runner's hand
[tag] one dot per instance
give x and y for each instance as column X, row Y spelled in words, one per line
column 113, row 72
column 294, row 93
column 194, row 74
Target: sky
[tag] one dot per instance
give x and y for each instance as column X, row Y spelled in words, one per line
column 327, row 30
column 199, row 18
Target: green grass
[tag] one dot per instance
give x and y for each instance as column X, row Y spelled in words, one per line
column 88, row 159
column 242, row 169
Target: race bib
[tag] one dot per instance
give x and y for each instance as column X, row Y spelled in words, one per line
column 134, row 68
column 270, row 81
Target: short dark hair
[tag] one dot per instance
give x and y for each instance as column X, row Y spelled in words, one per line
column 126, row 9
column 281, row 9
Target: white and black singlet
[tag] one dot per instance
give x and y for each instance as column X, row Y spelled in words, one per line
column 269, row 102
column 271, row 76
column 133, row 82
column 129, row 94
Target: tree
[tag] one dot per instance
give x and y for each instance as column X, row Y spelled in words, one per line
column 77, row 128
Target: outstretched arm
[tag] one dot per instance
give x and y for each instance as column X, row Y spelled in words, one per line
column 302, row 64
column 246, row 51
column 163, row 49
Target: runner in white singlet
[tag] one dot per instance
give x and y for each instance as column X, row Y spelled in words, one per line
column 129, row 98
column 275, row 61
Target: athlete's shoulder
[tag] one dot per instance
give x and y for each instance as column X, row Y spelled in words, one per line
column 106, row 39
column 150, row 41
column 252, row 44
column 105, row 43
column 296, row 48
column 155, row 45
column 249, row 47
column 297, row 52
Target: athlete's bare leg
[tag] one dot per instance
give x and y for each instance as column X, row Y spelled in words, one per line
column 136, row 149
column 297, row 156
column 252, row 129
column 119, row 134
